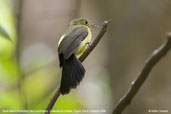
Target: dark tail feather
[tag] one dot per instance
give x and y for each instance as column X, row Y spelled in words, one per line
column 72, row 74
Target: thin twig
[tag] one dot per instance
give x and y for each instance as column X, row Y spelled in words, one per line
column 95, row 41
column 136, row 85
column 18, row 52
column 82, row 58
column 19, row 19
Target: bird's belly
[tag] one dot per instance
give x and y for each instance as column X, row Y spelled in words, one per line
column 83, row 45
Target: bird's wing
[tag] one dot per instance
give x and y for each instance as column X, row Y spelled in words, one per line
column 72, row 41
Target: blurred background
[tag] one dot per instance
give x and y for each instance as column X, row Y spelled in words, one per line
column 29, row 66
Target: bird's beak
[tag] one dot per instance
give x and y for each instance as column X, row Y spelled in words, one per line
column 94, row 25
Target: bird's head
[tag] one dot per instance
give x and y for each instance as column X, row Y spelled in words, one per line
column 83, row 21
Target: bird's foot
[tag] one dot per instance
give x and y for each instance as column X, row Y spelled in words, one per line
column 89, row 44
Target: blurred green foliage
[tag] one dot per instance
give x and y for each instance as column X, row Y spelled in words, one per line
column 7, row 29
column 17, row 89
column 9, row 97
column 3, row 33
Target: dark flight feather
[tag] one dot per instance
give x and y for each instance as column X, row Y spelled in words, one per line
column 72, row 73
column 72, row 69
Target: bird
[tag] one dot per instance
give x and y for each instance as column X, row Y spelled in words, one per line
column 71, row 46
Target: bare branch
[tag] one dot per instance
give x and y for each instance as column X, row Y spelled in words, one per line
column 95, row 41
column 17, row 53
column 19, row 19
column 82, row 58
column 136, row 85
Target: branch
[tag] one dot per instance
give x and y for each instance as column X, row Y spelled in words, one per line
column 82, row 58
column 19, row 19
column 149, row 64
column 95, row 41
column 17, row 53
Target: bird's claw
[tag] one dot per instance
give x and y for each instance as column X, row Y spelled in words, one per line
column 88, row 43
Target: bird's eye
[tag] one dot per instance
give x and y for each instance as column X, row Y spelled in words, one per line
column 86, row 22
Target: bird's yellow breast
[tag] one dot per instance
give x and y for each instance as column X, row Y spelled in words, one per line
column 83, row 45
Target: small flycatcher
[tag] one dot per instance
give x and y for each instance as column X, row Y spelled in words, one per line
column 71, row 46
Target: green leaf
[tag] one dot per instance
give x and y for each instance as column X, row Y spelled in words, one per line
column 4, row 33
